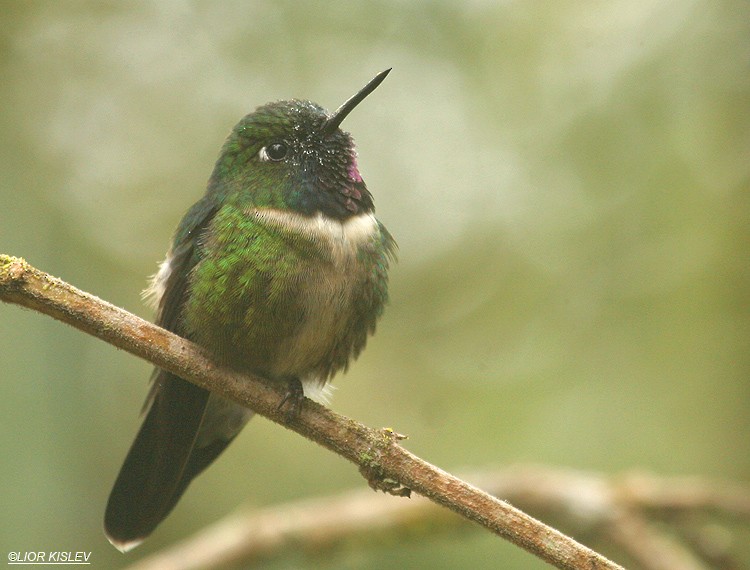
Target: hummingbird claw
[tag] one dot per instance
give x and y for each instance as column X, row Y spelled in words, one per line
column 294, row 396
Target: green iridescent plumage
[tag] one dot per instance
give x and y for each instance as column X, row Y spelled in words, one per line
column 280, row 270
column 284, row 285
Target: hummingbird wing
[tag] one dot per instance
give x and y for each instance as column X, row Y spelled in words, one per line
column 163, row 460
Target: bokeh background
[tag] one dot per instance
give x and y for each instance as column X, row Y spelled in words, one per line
column 568, row 184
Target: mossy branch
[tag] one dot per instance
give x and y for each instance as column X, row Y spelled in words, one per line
column 377, row 453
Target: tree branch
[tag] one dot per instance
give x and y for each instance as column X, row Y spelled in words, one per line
column 386, row 464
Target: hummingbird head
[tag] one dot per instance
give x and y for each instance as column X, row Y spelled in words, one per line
column 293, row 155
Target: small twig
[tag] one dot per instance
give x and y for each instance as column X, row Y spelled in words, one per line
column 314, row 525
column 676, row 495
column 712, row 543
column 589, row 503
column 651, row 549
column 374, row 451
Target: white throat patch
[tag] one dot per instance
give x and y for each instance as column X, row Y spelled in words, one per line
column 343, row 237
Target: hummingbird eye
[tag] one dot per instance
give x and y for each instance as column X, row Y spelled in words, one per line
column 274, row 151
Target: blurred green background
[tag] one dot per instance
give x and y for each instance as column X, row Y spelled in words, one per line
column 568, row 184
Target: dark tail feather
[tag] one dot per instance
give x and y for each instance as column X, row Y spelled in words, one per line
column 161, row 462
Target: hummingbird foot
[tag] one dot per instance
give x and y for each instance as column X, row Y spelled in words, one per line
column 294, row 396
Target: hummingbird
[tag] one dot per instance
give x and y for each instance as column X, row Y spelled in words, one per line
column 279, row 270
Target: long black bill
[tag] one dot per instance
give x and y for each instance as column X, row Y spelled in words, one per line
column 340, row 114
